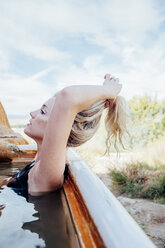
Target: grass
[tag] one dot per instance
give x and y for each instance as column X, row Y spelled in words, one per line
column 144, row 175
column 140, row 181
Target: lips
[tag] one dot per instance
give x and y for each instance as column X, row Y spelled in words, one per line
column 30, row 123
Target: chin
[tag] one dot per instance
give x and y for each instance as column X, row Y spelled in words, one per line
column 33, row 136
column 27, row 132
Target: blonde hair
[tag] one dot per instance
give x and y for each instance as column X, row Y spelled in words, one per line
column 87, row 122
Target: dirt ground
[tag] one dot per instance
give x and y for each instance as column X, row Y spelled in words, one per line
column 149, row 215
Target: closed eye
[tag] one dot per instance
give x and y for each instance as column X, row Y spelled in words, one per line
column 42, row 112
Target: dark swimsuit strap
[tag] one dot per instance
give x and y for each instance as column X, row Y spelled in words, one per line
column 20, row 180
column 31, row 164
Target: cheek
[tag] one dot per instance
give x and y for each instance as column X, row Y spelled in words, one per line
column 37, row 129
column 41, row 123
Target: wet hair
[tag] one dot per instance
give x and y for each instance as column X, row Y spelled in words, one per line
column 87, row 122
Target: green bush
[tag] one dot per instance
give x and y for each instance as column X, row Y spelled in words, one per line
column 135, row 181
column 153, row 192
column 132, row 188
column 119, row 178
column 147, row 120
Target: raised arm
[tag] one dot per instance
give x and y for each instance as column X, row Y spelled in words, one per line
column 48, row 175
column 86, row 95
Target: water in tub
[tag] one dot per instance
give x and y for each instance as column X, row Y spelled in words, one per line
column 30, row 221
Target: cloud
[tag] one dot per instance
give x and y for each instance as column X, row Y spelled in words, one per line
column 4, row 60
column 21, row 95
column 20, row 35
column 124, row 38
column 59, row 18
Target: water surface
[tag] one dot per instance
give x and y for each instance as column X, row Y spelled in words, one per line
column 33, row 221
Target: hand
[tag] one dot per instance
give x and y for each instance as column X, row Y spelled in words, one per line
column 112, row 86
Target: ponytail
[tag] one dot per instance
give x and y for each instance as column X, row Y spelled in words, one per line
column 87, row 122
column 116, row 121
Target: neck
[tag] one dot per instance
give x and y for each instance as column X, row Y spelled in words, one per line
column 37, row 157
column 39, row 146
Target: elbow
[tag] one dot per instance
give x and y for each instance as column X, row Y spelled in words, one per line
column 68, row 96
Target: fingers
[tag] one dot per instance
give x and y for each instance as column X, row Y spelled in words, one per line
column 114, row 79
column 113, row 85
column 110, row 78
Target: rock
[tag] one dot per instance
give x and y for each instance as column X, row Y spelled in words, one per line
column 3, row 117
column 149, row 215
column 8, row 138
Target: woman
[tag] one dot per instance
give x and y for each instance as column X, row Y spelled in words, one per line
column 69, row 119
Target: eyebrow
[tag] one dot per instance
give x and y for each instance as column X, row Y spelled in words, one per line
column 45, row 106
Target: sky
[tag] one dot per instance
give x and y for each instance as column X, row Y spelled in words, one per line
column 48, row 45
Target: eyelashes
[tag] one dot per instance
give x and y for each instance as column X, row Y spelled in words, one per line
column 42, row 112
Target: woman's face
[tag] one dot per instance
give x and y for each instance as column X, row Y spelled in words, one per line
column 39, row 118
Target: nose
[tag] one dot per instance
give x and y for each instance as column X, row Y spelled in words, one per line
column 33, row 114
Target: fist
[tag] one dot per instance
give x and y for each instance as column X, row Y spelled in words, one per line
column 112, row 86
